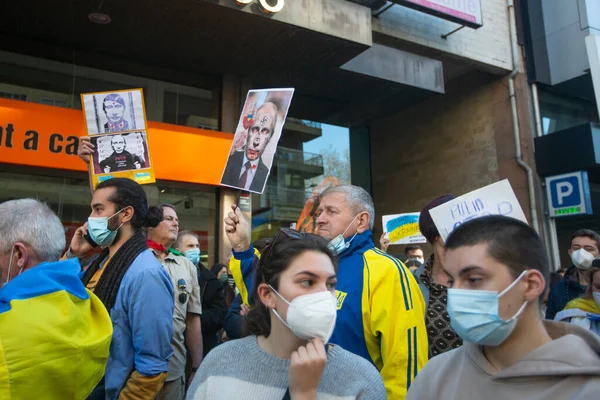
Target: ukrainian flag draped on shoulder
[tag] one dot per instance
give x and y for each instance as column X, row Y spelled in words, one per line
column 381, row 311
column 54, row 334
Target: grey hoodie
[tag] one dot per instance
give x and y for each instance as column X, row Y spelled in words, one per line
column 566, row 368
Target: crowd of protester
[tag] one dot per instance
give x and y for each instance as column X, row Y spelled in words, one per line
column 126, row 310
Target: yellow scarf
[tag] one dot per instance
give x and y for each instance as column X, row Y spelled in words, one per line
column 587, row 305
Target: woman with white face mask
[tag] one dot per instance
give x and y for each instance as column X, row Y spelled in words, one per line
column 291, row 320
column 585, row 311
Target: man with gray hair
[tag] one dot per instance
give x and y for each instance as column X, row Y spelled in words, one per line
column 36, row 292
column 381, row 312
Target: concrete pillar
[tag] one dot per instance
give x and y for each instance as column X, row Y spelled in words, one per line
column 234, row 95
column 360, row 158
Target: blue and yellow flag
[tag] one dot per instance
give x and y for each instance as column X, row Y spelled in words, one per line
column 54, row 335
column 403, row 228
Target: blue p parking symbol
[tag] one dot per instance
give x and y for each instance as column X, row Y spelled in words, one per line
column 568, row 194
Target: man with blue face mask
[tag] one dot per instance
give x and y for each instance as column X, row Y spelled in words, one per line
column 134, row 288
column 499, row 270
column 380, row 309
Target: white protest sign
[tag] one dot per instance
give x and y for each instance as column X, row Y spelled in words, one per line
column 403, row 228
column 495, row 199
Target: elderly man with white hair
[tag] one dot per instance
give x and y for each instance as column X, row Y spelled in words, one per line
column 54, row 333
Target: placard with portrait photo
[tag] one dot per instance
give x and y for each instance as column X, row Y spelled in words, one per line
column 122, row 155
column 114, row 112
column 255, row 141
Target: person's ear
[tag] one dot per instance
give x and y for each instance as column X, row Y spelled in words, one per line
column 570, row 252
column 20, row 255
column 266, row 295
column 438, row 242
column 127, row 214
column 536, row 285
column 363, row 222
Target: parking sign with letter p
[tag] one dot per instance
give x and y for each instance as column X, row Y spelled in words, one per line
column 568, row 194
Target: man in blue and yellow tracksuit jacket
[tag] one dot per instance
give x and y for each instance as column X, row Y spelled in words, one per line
column 54, row 334
column 381, row 311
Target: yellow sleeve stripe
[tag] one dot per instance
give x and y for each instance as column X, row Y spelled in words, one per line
column 372, row 339
column 408, row 300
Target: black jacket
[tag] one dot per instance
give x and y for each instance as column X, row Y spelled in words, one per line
column 231, row 176
column 121, row 162
column 213, row 307
column 563, row 292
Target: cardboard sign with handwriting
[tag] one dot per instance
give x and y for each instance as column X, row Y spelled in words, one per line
column 403, row 228
column 495, row 199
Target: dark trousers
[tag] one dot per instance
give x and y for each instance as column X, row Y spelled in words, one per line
column 98, row 393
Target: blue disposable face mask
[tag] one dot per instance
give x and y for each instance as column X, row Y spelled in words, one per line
column 193, row 255
column 99, row 232
column 338, row 244
column 474, row 315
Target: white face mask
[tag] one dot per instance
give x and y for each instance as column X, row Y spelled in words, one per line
column 582, row 259
column 310, row 315
column 596, row 298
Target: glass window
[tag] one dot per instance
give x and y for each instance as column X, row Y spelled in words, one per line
column 196, row 209
column 562, row 112
column 60, row 84
column 198, row 111
column 70, row 199
column 307, row 153
column 52, row 88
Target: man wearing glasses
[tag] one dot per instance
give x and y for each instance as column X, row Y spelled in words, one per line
column 187, row 329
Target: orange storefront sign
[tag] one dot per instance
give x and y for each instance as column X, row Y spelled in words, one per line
column 43, row 136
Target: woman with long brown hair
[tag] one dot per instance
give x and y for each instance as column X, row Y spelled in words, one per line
column 292, row 318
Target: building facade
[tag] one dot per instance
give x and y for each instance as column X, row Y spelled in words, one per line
column 431, row 108
column 559, row 70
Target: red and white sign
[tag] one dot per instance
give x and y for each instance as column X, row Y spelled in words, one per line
column 465, row 12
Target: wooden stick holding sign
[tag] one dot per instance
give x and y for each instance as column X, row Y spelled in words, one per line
column 116, row 123
column 495, row 199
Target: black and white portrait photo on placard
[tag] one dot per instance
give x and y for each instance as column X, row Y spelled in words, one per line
column 113, row 112
column 120, row 152
column 255, row 141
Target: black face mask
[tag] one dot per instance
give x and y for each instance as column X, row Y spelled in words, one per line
column 223, row 279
